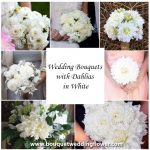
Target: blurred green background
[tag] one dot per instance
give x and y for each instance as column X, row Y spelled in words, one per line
column 42, row 7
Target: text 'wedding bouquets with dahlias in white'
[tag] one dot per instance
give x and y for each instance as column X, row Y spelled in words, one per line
column 115, row 123
column 124, row 25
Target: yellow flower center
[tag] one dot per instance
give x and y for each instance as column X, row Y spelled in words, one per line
column 120, row 10
column 121, row 136
column 128, row 17
column 103, row 122
column 126, row 30
column 124, row 70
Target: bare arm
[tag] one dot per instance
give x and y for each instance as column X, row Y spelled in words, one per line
column 26, row 4
column 143, row 72
column 85, row 7
column 80, row 135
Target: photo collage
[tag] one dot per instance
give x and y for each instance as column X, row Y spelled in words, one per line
column 29, row 30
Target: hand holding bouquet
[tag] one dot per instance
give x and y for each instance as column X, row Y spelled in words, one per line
column 76, row 25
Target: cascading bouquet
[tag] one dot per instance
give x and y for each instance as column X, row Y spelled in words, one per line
column 76, row 25
column 36, row 125
column 115, row 123
column 125, row 70
column 22, row 77
column 124, row 25
column 28, row 29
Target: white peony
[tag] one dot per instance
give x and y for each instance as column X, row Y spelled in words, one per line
column 116, row 123
column 13, row 84
column 124, row 25
column 34, row 126
column 124, row 70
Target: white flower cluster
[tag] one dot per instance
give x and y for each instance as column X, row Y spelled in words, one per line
column 34, row 126
column 116, row 123
column 76, row 25
column 124, row 25
column 33, row 123
column 22, row 77
column 28, row 29
column 125, row 70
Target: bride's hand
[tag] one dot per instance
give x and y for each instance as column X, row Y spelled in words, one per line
column 55, row 35
column 65, row 37
column 131, row 86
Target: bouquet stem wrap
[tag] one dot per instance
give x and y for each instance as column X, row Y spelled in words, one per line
column 125, row 46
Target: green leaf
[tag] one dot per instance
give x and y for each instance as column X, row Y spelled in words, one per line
column 27, row 144
column 7, row 133
column 54, row 117
column 60, row 107
column 18, row 143
column 49, row 120
column 66, row 126
column 57, row 107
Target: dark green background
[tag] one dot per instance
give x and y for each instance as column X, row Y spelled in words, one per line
column 42, row 7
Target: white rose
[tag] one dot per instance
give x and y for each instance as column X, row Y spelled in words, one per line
column 13, row 84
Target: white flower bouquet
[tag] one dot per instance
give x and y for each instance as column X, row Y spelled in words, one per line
column 116, row 123
column 28, row 29
column 76, row 25
column 124, row 25
column 37, row 124
column 125, row 70
column 22, row 77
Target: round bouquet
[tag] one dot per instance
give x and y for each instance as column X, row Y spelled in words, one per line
column 22, row 77
column 28, row 29
column 36, row 125
column 116, row 123
column 124, row 70
column 76, row 25
column 124, row 25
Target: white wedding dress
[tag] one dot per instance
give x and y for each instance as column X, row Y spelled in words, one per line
column 57, row 9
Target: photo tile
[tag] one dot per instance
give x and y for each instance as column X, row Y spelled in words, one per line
column 74, row 25
column 124, row 25
column 36, row 125
column 126, row 75
column 112, row 125
column 25, row 25
column 23, row 75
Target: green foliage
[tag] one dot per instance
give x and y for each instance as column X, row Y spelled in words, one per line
column 66, row 127
column 19, row 143
column 49, row 120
